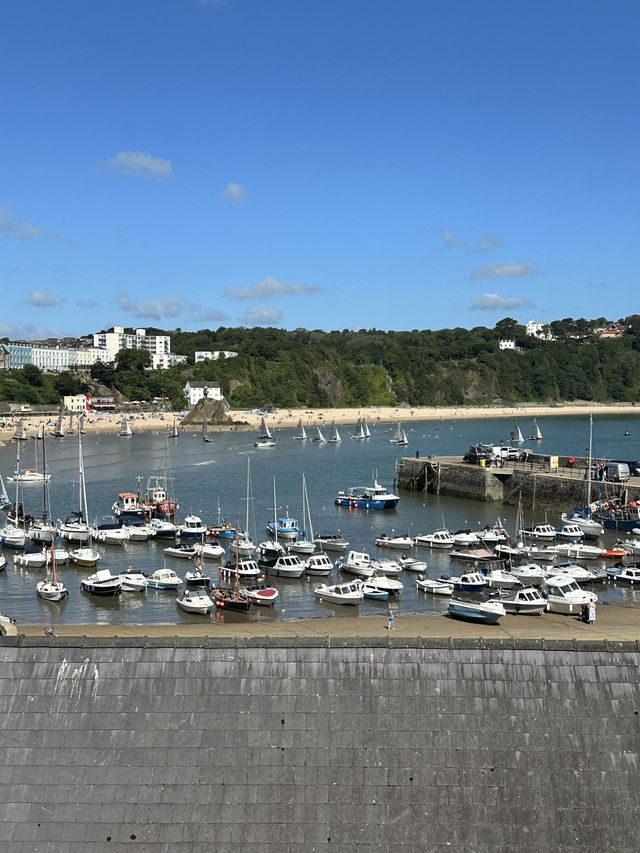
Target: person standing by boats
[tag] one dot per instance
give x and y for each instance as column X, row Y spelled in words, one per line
column 591, row 612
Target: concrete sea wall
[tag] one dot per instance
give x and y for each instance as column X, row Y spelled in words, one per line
column 148, row 745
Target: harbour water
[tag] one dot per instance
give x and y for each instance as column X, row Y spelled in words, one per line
column 203, row 476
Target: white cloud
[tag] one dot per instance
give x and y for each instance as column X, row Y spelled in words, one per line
column 261, row 315
column 450, row 239
column 494, row 302
column 169, row 306
column 234, row 192
column 140, row 164
column 87, row 303
column 267, row 288
column 14, row 227
column 211, row 315
column 29, row 332
column 486, row 242
column 505, row 270
column 43, row 299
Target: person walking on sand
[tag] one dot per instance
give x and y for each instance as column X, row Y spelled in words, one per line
column 391, row 623
column 591, row 612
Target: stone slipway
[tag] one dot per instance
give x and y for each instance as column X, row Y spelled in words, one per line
column 331, row 742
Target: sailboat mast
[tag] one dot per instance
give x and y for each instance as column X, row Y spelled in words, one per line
column 306, row 507
column 589, row 467
column 45, row 485
column 18, row 479
column 83, row 493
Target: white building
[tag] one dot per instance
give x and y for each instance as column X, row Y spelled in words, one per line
column 75, row 403
column 159, row 346
column 54, row 359
column 195, row 391
column 536, row 330
column 507, row 344
column 206, row 355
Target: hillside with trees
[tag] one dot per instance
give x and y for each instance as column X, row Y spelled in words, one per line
column 304, row 368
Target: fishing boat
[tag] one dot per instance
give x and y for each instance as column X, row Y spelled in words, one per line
column 318, row 437
column 236, row 600
column 84, row 556
column 543, row 531
column 301, row 434
column 205, row 432
column 191, row 528
column 284, row 528
column 157, row 503
column 334, row 435
column 127, row 508
column 341, row 593
column 525, row 602
column 367, row 497
column 241, row 567
column 536, row 435
column 434, row 586
column 125, row 427
column 164, row 579
column 399, row 436
column 51, row 588
column 102, row 583
column 286, row 566
column 570, row 532
column 193, row 601
column 263, row 594
column 489, row 612
column 318, row 564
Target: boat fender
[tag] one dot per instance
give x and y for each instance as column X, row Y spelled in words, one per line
column 517, row 608
column 548, row 608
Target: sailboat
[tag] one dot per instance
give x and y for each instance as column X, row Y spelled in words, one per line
column 172, row 431
column 20, row 433
column 334, row 435
column 270, row 550
column 399, row 436
column 591, row 527
column 58, row 429
column 304, row 544
column 242, row 543
column 4, row 497
column 205, row 431
column 318, row 436
column 51, row 588
column 40, row 433
column 125, row 427
column 265, row 439
column 11, row 535
column 365, row 427
column 75, row 528
column 301, row 435
column 516, row 435
column 69, row 430
column 81, row 422
column 42, row 529
column 359, row 433
column 536, row 435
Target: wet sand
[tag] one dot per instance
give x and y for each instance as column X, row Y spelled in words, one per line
column 613, row 622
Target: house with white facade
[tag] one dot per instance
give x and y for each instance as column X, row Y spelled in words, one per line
column 536, row 330
column 54, row 359
column 507, row 344
column 196, row 391
column 159, row 346
column 75, row 403
column 207, row 355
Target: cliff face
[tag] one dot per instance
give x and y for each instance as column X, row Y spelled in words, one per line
column 202, row 745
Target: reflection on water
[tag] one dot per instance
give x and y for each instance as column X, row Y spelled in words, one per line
column 205, row 476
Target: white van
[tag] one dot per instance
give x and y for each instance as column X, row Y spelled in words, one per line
column 616, row 472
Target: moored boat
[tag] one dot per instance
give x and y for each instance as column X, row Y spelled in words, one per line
column 402, row 543
column 263, row 594
column 318, row 564
column 565, row 596
column 357, row 563
column 84, row 556
column 102, row 583
column 435, row 587
column 164, row 579
column 341, row 593
column 527, row 601
column 489, row 612
column 367, row 497
column 195, row 601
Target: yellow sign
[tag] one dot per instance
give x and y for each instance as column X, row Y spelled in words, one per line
column 553, row 463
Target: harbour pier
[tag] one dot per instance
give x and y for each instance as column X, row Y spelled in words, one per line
column 541, row 481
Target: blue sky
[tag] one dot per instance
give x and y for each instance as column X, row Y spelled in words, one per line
column 396, row 164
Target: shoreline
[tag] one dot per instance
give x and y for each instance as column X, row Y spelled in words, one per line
column 614, row 622
column 288, row 418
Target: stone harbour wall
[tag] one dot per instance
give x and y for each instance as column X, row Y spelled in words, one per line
column 274, row 746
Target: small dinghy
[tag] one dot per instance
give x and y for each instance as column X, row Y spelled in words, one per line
column 102, row 583
column 391, row 568
column 262, row 594
column 195, row 602
column 84, row 556
column 110, row 534
column 434, row 587
column 411, row 564
column 373, row 592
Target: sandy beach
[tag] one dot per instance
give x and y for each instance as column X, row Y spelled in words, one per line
column 613, row 622
column 288, row 418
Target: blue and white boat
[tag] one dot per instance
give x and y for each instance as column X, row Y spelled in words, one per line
column 164, row 579
column 624, row 574
column 284, row 528
column 489, row 612
column 367, row 497
column 470, row 582
column 192, row 528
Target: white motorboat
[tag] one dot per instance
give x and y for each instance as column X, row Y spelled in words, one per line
column 287, row 566
column 12, row 536
column 502, row 579
column 182, row 552
column 529, row 574
column 138, row 531
column 84, row 556
column 194, row 601
column 577, row 551
column 164, row 579
column 565, row 596
column 573, row 570
column 526, row 601
column 492, row 535
column 435, row 587
column 209, row 550
column 465, row 538
column 544, row 532
column 489, row 612
column 134, row 581
column 441, row 538
column 469, row 582
column 263, row 594
column 191, row 528
column 391, row 585
column 244, row 568
column 391, row 568
column 318, row 564
column 110, row 534
column 32, row 558
column 624, row 574
column 243, row 545
column 589, row 526
column 28, row 476
column 402, row 543
column 570, row 532
column 411, row 564
column 196, row 577
column 631, row 546
column 357, row 563
column 163, row 529
column 331, row 542
column 341, row 593
column 102, row 583
column 263, row 443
